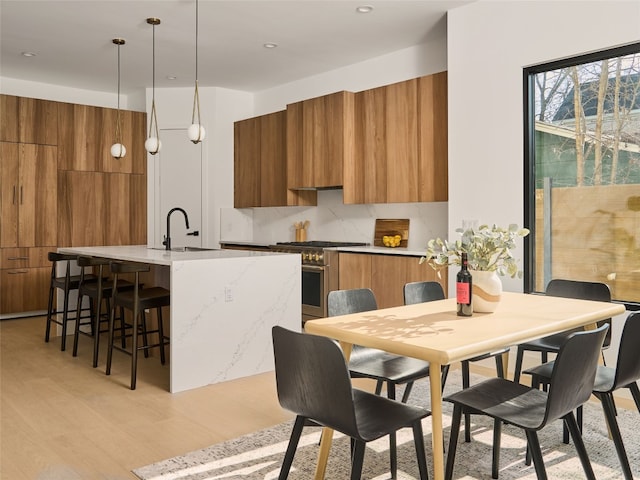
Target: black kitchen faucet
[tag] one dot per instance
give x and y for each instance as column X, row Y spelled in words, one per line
column 167, row 238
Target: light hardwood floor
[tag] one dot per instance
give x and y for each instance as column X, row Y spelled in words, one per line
column 61, row 419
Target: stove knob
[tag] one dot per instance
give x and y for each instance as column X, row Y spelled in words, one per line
column 320, row 258
column 305, row 257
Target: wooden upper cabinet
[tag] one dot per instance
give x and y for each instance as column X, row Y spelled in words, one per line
column 9, row 118
column 260, row 164
column 28, row 120
column 38, row 121
column 246, row 165
column 86, row 134
column 29, row 195
column 319, row 140
column 433, row 138
column 400, row 143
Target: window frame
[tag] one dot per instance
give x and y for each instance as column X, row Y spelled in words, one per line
column 530, row 149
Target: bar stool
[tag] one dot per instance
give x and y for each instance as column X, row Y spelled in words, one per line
column 99, row 291
column 66, row 283
column 137, row 300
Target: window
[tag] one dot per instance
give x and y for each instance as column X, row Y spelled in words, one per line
column 582, row 171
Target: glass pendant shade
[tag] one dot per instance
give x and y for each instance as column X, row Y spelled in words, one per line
column 153, row 143
column 196, row 133
column 118, row 150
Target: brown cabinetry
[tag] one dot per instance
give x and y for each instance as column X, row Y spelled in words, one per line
column 386, row 275
column 28, row 120
column 86, row 134
column 319, row 140
column 260, row 164
column 24, row 279
column 400, row 143
column 28, row 178
column 101, row 209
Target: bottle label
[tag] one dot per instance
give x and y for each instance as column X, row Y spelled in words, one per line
column 463, row 292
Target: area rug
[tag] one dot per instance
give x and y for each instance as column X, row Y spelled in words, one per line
column 258, row 456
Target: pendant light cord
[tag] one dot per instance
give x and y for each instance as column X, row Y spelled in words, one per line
column 118, row 129
column 153, row 124
column 196, row 95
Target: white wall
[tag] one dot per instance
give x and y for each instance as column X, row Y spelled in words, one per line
column 489, row 43
column 60, row 93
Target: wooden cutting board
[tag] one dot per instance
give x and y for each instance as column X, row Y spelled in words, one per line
column 387, row 226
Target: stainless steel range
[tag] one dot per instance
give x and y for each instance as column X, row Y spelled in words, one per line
column 319, row 272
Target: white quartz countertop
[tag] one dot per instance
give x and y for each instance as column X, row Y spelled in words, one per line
column 383, row 251
column 146, row 254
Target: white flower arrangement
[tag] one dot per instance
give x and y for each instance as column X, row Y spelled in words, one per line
column 487, row 248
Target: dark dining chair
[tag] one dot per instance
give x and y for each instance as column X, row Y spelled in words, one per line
column 568, row 289
column 625, row 375
column 529, row 408
column 420, row 292
column 313, row 382
column 383, row 367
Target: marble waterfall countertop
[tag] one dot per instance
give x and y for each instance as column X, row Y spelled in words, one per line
column 158, row 256
column 223, row 306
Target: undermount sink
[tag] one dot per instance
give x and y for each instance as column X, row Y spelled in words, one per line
column 185, row 249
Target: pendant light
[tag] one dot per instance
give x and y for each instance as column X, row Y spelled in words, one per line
column 196, row 131
column 153, row 143
column 118, row 150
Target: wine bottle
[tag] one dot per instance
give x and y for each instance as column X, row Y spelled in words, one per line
column 463, row 289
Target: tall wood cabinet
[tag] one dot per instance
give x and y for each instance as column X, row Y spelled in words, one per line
column 386, row 275
column 61, row 187
column 29, row 195
column 28, row 201
column 260, row 164
column 400, row 143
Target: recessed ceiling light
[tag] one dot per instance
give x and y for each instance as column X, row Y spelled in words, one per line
column 270, row 45
column 364, row 9
column 28, row 54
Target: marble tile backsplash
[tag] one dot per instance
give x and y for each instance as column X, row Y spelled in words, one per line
column 331, row 220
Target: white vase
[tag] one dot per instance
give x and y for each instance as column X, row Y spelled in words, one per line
column 487, row 289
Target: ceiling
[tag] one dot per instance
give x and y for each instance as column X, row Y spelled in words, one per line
column 72, row 39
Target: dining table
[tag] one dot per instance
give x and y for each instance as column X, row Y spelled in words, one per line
column 432, row 331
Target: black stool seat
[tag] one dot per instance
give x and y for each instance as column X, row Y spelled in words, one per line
column 152, row 297
column 137, row 300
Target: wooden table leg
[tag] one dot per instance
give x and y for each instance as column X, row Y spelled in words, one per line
column 437, row 437
column 327, row 433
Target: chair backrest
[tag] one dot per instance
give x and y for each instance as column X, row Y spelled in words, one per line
column 420, row 292
column 344, row 302
column 628, row 365
column 56, row 257
column 313, row 380
column 574, row 372
column 597, row 291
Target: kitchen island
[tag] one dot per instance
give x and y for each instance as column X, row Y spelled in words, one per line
column 223, row 305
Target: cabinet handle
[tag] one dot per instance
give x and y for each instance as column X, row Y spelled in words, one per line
column 21, row 196
column 18, row 258
column 14, row 194
column 18, row 272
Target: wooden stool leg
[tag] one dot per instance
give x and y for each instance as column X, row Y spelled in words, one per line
column 145, row 338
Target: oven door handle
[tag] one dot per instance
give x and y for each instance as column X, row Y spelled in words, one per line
column 313, row 268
